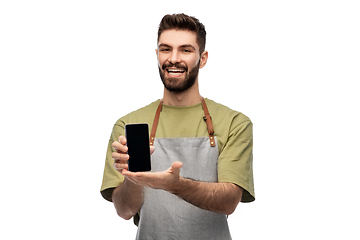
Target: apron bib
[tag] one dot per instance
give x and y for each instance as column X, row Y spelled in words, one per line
column 165, row 216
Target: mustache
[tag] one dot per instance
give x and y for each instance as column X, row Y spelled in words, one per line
column 177, row 65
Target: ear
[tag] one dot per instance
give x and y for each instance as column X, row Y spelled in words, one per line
column 157, row 54
column 203, row 59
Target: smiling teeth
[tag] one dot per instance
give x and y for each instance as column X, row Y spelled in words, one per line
column 175, row 70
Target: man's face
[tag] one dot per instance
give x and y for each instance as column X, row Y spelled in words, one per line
column 179, row 59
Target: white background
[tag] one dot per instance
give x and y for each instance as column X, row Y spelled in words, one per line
column 68, row 70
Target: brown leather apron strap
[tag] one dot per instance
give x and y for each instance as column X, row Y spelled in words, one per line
column 155, row 123
column 209, row 124
column 207, row 118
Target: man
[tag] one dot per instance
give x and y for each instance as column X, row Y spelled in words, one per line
column 201, row 165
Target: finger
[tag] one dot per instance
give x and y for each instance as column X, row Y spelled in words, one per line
column 152, row 149
column 122, row 140
column 117, row 168
column 119, row 147
column 137, row 176
column 120, row 167
column 175, row 167
column 120, row 157
column 128, row 173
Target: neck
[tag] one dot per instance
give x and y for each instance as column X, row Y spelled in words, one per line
column 186, row 98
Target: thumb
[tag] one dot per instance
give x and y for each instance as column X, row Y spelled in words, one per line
column 175, row 167
column 152, row 149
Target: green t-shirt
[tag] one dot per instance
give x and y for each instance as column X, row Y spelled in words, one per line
column 233, row 131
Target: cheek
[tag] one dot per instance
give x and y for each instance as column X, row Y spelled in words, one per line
column 161, row 60
column 194, row 63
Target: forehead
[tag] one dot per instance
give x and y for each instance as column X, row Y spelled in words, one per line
column 176, row 38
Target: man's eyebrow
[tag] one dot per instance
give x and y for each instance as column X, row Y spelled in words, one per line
column 182, row 46
column 164, row 45
column 187, row 45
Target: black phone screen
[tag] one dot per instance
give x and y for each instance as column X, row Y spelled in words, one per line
column 138, row 144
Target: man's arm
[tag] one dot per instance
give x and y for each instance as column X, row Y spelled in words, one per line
column 217, row 197
column 128, row 199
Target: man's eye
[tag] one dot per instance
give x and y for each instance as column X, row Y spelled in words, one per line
column 165, row 50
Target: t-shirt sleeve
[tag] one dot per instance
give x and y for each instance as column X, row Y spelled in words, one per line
column 111, row 177
column 235, row 163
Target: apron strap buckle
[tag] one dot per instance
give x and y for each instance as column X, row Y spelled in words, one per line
column 209, row 124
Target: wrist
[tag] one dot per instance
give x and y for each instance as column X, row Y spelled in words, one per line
column 177, row 186
column 131, row 185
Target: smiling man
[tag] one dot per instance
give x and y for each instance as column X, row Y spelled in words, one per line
column 176, row 51
column 201, row 164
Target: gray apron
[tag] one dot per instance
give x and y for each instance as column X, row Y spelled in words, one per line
column 165, row 216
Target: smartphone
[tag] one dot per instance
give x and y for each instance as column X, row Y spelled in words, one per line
column 138, row 144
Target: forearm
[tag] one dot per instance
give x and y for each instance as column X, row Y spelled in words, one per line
column 128, row 199
column 216, row 197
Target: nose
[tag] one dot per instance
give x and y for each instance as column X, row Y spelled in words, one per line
column 174, row 57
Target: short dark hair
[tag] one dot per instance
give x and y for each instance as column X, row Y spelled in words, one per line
column 184, row 22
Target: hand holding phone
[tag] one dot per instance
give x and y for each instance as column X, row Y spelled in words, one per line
column 138, row 144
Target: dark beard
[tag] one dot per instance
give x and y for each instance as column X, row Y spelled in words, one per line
column 172, row 84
